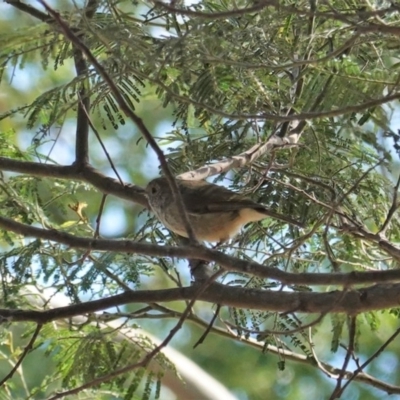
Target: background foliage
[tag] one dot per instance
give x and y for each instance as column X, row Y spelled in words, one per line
column 209, row 81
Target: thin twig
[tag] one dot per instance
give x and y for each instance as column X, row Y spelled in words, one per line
column 210, row 325
column 392, row 209
column 216, row 15
column 148, row 357
column 27, row 349
column 98, row 219
column 352, row 334
column 374, row 356
column 107, row 154
column 358, row 181
column 277, row 117
column 127, row 110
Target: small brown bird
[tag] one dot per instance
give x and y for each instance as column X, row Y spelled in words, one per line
column 215, row 213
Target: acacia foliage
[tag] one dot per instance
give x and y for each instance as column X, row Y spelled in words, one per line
column 232, row 76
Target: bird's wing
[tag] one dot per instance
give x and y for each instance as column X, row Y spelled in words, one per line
column 208, row 199
column 236, row 205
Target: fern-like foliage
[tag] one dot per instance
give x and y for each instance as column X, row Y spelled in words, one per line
column 229, row 78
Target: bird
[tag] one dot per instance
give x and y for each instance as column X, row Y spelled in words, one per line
column 215, row 213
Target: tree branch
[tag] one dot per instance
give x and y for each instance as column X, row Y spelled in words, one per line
column 227, row 262
column 27, row 349
column 348, row 109
column 127, row 334
column 352, row 302
column 242, row 159
column 392, row 210
column 258, row 6
column 82, row 125
column 337, row 391
column 30, row 10
column 87, row 174
column 356, row 374
column 324, row 367
column 127, row 110
column 149, row 356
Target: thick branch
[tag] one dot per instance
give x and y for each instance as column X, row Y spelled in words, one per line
column 37, row 299
column 87, row 174
column 227, row 262
column 377, row 297
column 30, row 10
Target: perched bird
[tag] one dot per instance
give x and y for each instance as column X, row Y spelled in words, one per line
column 215, row 213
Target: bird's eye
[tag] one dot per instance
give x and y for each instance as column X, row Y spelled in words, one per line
column 153, row 190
